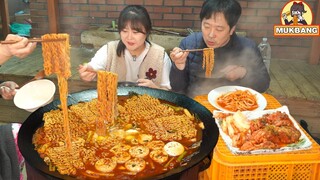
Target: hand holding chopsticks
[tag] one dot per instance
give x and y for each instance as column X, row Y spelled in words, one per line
column 86, row 72
column 31, row 40
column 14, row 41
column 194, row 50
column 15, row 45
column 189, row 50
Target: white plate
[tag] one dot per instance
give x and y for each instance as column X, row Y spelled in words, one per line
column 304, row 142
column 214, row 94
column 34, row 95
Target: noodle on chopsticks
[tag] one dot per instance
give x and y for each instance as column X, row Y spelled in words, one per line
column 56, row 57
column 107, row 100
column 208, row 61
column 56, row 54
column 238, row 100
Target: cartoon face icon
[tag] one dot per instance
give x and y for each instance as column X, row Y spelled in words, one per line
column 296, row 12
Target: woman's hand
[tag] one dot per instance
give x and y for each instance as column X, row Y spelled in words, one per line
column 7, row 89
column 146, row 83
column 179, row 58
column 87, row 73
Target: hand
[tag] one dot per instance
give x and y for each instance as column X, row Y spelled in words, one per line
column 20, row 49
column 146, row 83
column 86, row 72
column 179, row 58
column 7, row 89
column 284, row 16
column 234, row 72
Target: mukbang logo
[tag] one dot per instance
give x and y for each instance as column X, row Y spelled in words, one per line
column 296, row 19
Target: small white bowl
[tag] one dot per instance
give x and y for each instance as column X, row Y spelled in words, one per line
column 34, row 95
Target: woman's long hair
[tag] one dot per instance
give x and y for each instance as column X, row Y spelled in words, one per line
column 138, row 17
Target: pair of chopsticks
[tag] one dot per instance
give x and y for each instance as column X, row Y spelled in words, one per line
column 190, row 50
column 32, row 40
column 194, row 50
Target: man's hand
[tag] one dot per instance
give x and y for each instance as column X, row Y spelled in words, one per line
column 234, row 72
column 20, row 49
column 179, row 58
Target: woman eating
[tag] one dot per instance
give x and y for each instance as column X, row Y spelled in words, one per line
column 134, row 58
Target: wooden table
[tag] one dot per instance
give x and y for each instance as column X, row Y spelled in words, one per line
column 302, row 164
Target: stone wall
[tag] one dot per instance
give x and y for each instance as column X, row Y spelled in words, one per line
column 257, row 20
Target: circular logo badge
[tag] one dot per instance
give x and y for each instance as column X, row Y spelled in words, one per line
column 296, row 13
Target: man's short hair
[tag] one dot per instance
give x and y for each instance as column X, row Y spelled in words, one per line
column 230, row 8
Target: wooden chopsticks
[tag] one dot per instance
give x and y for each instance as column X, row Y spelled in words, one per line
column 33, row 40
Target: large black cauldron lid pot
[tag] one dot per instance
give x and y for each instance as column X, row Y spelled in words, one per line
column 34, row 121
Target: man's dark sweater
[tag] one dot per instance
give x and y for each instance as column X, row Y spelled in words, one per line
column 238, row 51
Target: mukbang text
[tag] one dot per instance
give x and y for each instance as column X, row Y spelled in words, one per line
column 312, row 30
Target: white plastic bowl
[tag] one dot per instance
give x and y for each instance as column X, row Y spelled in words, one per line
column 34, row 95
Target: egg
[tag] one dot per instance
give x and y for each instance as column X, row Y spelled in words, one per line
column 174, row 148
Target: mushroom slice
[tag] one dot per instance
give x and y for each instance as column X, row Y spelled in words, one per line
column 174, row 148
column 135, row 164
column 145, row 138
column 159, row 156
column 122, row 157
column 155, row 145
column 105, row 165
column 139, row 151
column 120, row 148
